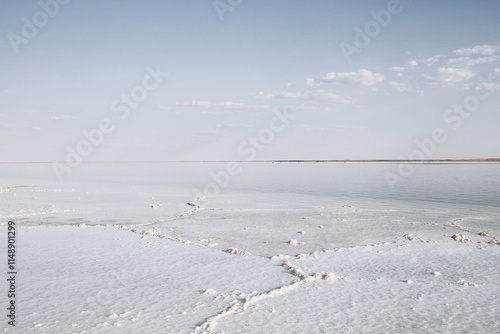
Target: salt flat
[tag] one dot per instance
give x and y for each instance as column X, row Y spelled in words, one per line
column 169, row 263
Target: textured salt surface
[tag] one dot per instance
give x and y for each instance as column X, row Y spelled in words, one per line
column 117, row 260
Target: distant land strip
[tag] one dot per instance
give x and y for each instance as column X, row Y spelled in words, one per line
column 253, row 161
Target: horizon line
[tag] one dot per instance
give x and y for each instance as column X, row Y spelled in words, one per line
column 257, row 161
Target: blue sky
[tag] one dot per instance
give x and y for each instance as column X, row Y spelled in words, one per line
column 227, row 77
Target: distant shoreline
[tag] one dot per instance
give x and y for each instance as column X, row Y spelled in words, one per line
column 264, row 161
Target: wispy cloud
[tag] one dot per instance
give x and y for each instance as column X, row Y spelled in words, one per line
column 431, row 60
column 318, row 96
column 490, row 86
column 470, row 61
column 483, row 50
column 227, row 106
column 412, row 63
column 211, row 112
column 467, row 57
column 448, row 76
column 362, row 78
column 292, row 95
column 401, row 86
column 399, row 70
column 194, row 103
column 493, row 86
column 263, row 96
column 239, row 106
column 284, row 94
column 331, row 97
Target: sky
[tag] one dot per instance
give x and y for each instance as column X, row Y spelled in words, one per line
column 244, row 80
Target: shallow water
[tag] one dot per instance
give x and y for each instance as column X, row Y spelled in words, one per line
column 449, row 183
column 456, row 183
column 124, row 193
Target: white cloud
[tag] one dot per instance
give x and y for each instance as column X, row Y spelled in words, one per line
column 232, row 105
column 323, row 96
column 398, row 69
column 291, row 94
column 164, row 108
column 285, row 94
column 320, row 96
column 483, row 50
column 362, row 77
column 289, row 84
column 465, row 59
column 238, row 106
column 263, row 96
column 469, row 61
column 412, row 63
column 401, row 87
column 200, row 103
column 431, row 60
column 448, row 76
column 223, row 107
column 194, row 103
column 489, row 86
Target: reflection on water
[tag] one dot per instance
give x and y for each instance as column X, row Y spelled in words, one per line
column 467, row 183
column 450, row 183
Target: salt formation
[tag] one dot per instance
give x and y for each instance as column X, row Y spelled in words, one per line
column 236, row 251
column 461, row 238
column 302, row 278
